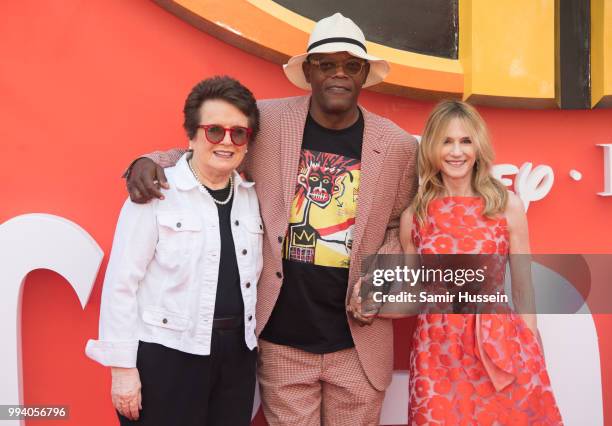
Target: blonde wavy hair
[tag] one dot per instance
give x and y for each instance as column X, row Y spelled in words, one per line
column 492, row 191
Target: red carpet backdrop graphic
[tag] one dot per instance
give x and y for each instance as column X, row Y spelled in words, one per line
column 85, row 87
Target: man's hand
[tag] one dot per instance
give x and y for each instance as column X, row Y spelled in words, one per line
column 125, row 392
column 355, row 307
column 145, row 180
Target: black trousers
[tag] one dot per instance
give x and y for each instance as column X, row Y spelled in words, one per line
column 181, row 389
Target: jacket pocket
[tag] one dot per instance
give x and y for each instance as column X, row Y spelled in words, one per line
column 178, row 237
column 255, row 231
column 165, row 319
column 254, row 227
column 254, row 224
column 179, row 221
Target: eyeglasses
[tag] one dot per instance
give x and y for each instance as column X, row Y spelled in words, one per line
column 351, row 67
column 215, row 133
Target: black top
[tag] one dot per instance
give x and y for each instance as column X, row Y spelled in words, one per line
column 310, row 312
column 228, row 302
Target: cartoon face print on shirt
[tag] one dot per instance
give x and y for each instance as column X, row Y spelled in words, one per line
column 323, row 210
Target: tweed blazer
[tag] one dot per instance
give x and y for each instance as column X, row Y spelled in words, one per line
column 388, row 183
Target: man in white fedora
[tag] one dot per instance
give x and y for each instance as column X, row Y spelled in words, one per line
column 332, row 179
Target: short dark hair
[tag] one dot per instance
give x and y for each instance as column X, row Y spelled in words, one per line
column 220, row 87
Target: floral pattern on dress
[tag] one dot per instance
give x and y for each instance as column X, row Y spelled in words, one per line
column 474, row 369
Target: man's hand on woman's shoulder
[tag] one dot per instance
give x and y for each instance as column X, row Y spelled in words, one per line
column 145, row 180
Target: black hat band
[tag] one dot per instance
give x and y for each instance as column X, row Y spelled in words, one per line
column 336, row 40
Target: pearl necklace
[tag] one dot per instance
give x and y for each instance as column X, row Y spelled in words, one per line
column 221, row 203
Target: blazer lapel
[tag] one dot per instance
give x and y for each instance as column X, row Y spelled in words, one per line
column 292, row 125
column 373, row 153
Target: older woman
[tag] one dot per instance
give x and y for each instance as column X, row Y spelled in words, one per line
column 177, row 321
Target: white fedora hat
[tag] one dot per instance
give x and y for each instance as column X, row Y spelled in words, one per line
column 336, row 34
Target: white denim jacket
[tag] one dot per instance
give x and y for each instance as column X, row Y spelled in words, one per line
column 161, row 280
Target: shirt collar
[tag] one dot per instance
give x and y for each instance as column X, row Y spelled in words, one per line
column 185, row 180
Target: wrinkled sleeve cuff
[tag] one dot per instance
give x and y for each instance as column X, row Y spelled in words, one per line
column 113, row 354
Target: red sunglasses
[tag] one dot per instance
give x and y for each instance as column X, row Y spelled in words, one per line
column 215, row 133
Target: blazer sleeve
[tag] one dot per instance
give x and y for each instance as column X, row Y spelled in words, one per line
column 407, row 189
column 133, row 249
column 162, row 158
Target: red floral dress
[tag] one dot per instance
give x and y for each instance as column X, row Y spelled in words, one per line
column 482, row 369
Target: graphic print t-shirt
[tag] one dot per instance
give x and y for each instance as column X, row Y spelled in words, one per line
column 310, row 311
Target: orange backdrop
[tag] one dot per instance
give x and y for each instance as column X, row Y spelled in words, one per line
column 87, row 86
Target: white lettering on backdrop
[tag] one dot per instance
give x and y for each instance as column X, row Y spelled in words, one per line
column 529, row 184
column 29, row 242
column 607, row 192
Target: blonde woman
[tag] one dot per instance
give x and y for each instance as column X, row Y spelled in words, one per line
column 485, row 369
